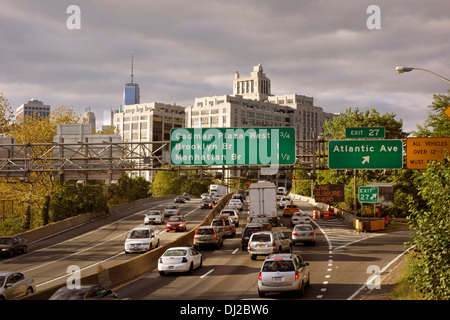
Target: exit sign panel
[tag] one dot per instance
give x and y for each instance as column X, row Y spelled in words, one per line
column 365, row 132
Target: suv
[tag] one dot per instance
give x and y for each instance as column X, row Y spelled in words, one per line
column 268, row 242
column 171, row 210
column 225, row 224
column 284, row 201
column 208, row 235
column 283, row 273
column 249, row 229
column 143, row 238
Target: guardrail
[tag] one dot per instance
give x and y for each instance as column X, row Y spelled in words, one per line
column 131, row 269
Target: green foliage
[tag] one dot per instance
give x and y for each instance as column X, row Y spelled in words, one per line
column 166, row 183
column 430, row 272
column 437, row 124
column 130, row 189
column 73, row 200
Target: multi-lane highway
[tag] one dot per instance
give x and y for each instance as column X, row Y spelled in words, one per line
column 340, row 263
column 95, row 245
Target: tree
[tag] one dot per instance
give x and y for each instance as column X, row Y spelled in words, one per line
column 430, row 272
column 6, row 115
column 437, row 124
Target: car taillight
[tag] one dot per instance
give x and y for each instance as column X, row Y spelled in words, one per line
column 297, row 274
column 311, row 234
column 259, row 276
column 295, row 234
column 184, row 260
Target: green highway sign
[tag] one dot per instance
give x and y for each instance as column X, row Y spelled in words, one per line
column 365, row 154
column 365, row 132
column 368, row 194
column 232, row 146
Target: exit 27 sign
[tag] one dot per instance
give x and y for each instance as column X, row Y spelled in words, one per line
column 365, row 154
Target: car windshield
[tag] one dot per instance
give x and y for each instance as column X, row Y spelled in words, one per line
column 171, row 207
column 263, row 237
column 2, row 279
column 175, row 219
column 205, row 231
column 175, row 253
column 278, row 265
column 154, row 213
column 137, row 234
column 249, row 231
column 217, row 223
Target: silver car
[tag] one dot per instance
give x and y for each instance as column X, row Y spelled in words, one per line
column 14, row 285
column 153, row 217
column 283, row 273
column 303, row 233
column 268, row 242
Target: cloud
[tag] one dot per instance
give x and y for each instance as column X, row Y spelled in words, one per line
column 186, row 49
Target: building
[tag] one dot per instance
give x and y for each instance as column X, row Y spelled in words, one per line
column 253, row 105
column 131, row 94
column 149, row 122
column 89, row 118
column 33, row 108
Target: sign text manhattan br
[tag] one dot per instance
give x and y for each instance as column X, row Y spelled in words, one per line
column 365, row 154
column 232, row 146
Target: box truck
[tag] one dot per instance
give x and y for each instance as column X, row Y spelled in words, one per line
column 217, row 189
column 263, row 201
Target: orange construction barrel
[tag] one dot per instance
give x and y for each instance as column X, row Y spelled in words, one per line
column 326, row 215
column 315, row 214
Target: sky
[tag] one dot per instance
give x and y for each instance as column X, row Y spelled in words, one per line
column 341, row 52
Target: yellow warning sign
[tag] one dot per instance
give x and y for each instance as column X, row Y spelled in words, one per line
column 447, row 112
column 420, row 151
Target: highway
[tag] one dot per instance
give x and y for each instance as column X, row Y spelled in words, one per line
column 92, row 245
column 340, row 263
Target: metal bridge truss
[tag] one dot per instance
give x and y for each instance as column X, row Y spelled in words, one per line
column 107, row 160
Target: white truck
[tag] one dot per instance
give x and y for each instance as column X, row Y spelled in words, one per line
column 217, row 189
column 263, row 201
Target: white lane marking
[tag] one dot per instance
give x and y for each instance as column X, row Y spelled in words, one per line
column 206, row 273
column 235, row 250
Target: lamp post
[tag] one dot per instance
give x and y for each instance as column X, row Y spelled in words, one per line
column 408, row 69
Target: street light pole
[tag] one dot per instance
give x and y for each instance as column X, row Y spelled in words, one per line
column 408, row 69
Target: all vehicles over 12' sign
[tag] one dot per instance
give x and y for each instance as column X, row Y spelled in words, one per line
column 232, row 146
column 365, row 154
column 420, row 151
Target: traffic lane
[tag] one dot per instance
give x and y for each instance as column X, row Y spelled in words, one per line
column 353, row 265
column 227, row 273
column 101, row 246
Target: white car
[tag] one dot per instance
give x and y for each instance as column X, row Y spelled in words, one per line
column 232, row 213
column 300, row 218
column 171, row 210
column 141, row 239
column 179, row 259
column 303, row 233
column 284, row 201
column 153, row 217
column 235, row 204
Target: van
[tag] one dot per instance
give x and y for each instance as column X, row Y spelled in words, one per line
column 142, row 239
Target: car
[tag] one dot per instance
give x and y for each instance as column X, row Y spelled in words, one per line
column 177, row 223
column 242, row 193
column 235, row 204
column 215, row 199
column 232, row 213
column 283, row 273
column 262, row 220
column 208, row 236
column 84, row 292
column 179, row 199
column 268, row 242
column 186, row 196
column 12, row 245
column 225, row 224
column 239, row 196
column 284, row 201
column 153, row 217
column 179, row 259
column 206, row 204
column 14, row 285
column 300, row 217
column 141, row 239
column 171, row 210
column 249, row 229
column 290, row 209
column 303, row 233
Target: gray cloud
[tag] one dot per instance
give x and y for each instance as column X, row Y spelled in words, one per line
column 186, row 49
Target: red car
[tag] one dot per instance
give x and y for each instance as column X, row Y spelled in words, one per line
column 177, row 223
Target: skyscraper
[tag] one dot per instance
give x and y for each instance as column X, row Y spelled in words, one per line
column 131, row 93
column 33, row 108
